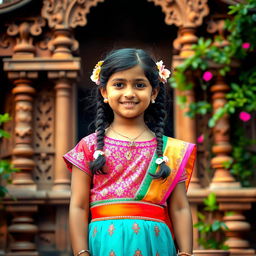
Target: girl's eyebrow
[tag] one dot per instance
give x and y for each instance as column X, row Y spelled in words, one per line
column 135, row 80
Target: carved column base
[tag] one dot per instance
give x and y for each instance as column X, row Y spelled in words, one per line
column 223, row 179
column 238, row 227
column 22, row 231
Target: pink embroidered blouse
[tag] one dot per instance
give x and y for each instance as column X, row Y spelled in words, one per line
column 126, row 166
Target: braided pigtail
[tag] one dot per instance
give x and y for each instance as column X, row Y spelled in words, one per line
column 96, row 166
column 160, row 116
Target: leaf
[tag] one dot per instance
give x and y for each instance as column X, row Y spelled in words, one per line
column 3, row 191
column 211, row 202
column 4, row 118
column 4, row 134
column 200, row 216
column 216, row 225
column 181, row 99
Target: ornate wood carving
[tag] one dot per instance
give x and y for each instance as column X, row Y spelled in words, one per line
column 22, row 230
column 63, row 112
column 222, row 146
column 72, row 13
column 24, row 32
column 23, row 151
column 63, row 44
column 183, row 13
column 44, row 138
column 6, row 45
column 184, row 42
column 238, row 227
column 216, row 26
column 64, row 14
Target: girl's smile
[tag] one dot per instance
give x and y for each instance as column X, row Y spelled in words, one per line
column 129, row 93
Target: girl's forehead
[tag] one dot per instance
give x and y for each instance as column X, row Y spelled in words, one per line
column 135, row 72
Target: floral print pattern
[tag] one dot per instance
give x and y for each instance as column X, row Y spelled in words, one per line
column 157, row 230
column 136, row 228
column 111, row 229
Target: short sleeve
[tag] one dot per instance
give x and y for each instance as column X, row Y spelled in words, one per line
column 80, row 156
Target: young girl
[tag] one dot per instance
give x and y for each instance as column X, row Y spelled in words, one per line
column 129, row 179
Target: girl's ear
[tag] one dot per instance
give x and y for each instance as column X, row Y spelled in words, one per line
column 155, row 92
column 103, row 92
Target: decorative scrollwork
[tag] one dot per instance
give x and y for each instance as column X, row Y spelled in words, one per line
column 24, row 32
column 67, row 13
column 185, row 13
column 43, row 138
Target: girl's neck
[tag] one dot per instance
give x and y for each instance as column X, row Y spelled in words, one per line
column 119, row 129
column 125, row 124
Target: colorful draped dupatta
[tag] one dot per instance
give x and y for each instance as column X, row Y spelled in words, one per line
column 181, row 157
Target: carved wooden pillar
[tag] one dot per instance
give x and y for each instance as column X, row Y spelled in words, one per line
column 23, row 97
column 63, row 131
column 222, row 146
column 186, row 40
column 23, row 151
column 23, row 231
column 62, row 18
column 238, row 228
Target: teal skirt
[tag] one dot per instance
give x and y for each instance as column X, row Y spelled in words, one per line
column 130, row 237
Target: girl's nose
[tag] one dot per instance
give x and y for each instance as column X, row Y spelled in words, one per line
column 129, row 92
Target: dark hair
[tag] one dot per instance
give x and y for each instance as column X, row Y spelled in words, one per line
column 155, row 115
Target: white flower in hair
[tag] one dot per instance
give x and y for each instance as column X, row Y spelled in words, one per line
column 95, row 77
column 164, row 73
column 162, row 159
column 97, row 153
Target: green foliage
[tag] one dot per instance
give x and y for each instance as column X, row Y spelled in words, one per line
column 6, row 169
column 244, row 164
column 241, row 28
column 216, row 52
column 208, row 228
column 4, row 118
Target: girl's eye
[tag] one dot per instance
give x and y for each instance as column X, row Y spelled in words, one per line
column 119, row 85
column 140, row 85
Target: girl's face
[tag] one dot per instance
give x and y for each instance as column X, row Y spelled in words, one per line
column 129, row 93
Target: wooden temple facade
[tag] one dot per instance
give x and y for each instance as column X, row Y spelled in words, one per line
column 44, row 46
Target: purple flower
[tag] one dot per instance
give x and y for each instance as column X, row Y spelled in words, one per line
column 207, row 76
column 200, row 139
column 244, row 116
column 246, row 45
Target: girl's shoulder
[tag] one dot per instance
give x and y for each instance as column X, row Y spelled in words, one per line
column 89, row 140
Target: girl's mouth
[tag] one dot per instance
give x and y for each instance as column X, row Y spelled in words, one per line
column 129, row 103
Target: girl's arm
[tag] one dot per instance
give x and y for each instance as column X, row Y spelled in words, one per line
column 79, row 210
column 180, row 214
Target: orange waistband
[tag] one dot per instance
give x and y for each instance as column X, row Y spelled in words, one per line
column 129, row 210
